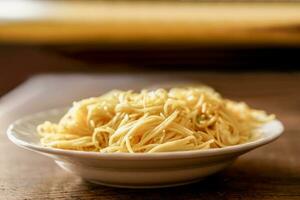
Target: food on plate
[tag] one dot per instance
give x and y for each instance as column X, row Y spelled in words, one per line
column 150, row 121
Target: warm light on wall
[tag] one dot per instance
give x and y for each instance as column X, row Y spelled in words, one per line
column 19, row 10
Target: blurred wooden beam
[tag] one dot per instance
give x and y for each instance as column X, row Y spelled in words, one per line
column 134, row 22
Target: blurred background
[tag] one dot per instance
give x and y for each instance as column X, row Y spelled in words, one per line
column 146, row 36
column 53, row 52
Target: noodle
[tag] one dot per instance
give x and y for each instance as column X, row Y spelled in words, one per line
column 179, row 119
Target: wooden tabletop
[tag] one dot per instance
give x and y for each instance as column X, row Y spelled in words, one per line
column 148, row 22
column 270, row 172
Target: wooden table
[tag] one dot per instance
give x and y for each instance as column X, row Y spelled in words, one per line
column 270, row 172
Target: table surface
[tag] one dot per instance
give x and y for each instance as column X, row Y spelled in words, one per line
column 270, row 172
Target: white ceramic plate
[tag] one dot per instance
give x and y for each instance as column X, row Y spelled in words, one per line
column 135, row 170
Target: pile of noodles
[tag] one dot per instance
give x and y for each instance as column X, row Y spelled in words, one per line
column 179, row 119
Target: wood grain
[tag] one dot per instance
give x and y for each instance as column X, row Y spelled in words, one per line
column 270, row 172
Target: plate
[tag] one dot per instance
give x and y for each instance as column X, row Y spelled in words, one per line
column 135, row 170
